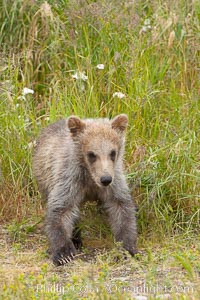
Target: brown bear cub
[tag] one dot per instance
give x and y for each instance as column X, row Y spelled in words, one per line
column 77, row 160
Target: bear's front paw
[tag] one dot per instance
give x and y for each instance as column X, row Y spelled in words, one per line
column 133, row 251
column 64, row 254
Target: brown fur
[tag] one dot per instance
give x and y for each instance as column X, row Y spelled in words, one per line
column 77, row 160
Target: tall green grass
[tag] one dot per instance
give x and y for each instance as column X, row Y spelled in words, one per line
column 150, row 52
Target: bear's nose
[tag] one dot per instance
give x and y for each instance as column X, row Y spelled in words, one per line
column 106, row 180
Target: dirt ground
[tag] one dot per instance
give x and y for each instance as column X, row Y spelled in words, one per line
column 166, row 270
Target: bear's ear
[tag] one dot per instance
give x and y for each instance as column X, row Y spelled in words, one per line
column 75, row 125
column 119, row 123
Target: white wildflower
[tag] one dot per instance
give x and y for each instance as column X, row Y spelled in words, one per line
column 32, row 144
column 75, row 76
column 119, row 95
column 144, row 29
column 146, row 26
column 80, row 76
column 100, row 66
column 147, row 22
column 21, row 98
column 27, row 91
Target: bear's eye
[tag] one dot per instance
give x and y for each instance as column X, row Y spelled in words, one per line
column 91, row 157
column 113, row 155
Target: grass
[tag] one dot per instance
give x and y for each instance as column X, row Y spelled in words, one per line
column 161, row 269
column 150, row 51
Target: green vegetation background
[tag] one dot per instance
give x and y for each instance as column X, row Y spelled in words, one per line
column 150, row 51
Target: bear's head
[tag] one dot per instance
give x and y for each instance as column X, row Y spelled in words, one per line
column 101, row 143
